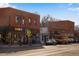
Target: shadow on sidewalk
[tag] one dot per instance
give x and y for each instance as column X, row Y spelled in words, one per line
column 10, row 49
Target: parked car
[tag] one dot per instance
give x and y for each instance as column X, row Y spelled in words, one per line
column 77, row 40
column 71, row 40
column 51, row 42
column 62, row 41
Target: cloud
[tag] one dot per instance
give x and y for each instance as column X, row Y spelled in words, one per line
column 70, row 4
column 3, row 5
column 73, row 9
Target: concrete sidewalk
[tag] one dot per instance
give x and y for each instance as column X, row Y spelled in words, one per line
column 16, row 48
column 33, row 45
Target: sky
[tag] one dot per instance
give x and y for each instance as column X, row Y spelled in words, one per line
column 62, row 11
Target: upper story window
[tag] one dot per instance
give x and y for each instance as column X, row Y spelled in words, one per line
column 34, row 21
column 29, row 20
column 22, row 21
column 18, row 19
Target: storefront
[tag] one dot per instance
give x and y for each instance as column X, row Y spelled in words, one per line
column 13, row 36
column 44, row 34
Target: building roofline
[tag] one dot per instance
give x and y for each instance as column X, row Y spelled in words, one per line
column 61, row 21
column 19, row 10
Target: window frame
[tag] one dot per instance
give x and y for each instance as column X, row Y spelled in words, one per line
column 19, row 19
column 23, row 21
column 29, row 20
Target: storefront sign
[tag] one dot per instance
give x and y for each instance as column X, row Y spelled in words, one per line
column 19, row 29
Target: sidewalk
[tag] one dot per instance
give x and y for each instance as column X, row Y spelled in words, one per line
column 33, row 45
column 16, row 48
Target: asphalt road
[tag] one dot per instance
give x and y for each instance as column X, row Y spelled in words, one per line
column 57, row 50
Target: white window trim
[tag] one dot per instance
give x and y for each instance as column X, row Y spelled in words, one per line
column 16, row 20
column 23, row 21
column 29, row 20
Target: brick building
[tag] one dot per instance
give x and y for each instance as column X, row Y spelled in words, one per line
column 17, row 24
column 61, row 27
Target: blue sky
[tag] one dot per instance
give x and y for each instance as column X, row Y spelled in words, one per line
column 64, row 11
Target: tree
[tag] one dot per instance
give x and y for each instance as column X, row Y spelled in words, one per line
column 76, row 31
column 44, row 22
column 76, row 28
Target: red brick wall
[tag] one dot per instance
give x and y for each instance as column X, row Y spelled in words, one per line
column 67, row 26
column 8, row 17
column 3, row 18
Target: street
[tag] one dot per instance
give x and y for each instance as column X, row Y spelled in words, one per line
column 50, row 50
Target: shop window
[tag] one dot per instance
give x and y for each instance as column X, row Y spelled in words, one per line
column 56, row 32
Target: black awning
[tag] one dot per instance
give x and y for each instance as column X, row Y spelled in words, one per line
column 4, row 29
